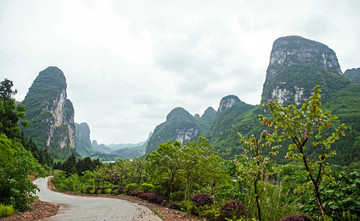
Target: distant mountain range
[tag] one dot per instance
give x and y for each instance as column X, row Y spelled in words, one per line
column 110, row 152
column 296, row 66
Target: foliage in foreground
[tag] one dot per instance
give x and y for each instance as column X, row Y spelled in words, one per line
column 16, row 163
column 309, row 130
column 6, row 210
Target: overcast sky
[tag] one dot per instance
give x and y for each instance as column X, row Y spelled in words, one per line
column 129, row 63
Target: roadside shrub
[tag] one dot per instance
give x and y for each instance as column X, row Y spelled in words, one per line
column 89, row 189
column 185, row 206
column 108, row 191
column 103, row 190
column 146, row 196
column 6, row 210
column 117, row 190
column 133, row 192
column 146, row 187
column 156, row 189
column 131, row 186
column 201, row 210
column 177, row 196
column 296, row 218
column 201, row 199
column 155, row 198
column 208, row 214
column 92, row 191
column 233, row 210
column 98, row 190
column 174, row 205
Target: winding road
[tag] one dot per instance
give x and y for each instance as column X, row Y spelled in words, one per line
column 92, row 208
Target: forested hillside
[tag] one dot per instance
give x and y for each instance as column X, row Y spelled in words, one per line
column 51, row 114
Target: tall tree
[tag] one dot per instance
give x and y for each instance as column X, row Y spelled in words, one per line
column 165, row 164
column 69, row 166
column 194, row 161
column 309, row 128
column 10, row 113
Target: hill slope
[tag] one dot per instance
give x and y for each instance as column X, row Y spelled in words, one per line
column 51, row 114
column 181, row 126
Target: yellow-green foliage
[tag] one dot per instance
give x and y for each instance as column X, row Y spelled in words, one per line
column 6, row 210
column 131, row 186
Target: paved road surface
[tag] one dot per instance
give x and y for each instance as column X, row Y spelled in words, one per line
column 92, row 208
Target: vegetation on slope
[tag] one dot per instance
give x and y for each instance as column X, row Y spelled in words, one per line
column 16, row 162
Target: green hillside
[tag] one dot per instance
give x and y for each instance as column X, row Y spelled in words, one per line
column 182, row 126
column 50, row 114
column 353, row 74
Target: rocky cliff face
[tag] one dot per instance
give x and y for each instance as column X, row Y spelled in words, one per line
column 187, row 133
column 227, row 102
column 301, row 58
column 83, row 142
column 50, row 113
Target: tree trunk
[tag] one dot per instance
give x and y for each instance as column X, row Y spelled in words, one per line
column 186, row 189
column 140, row 177
column 213, row 190
column 257, row 198
column 171, row 186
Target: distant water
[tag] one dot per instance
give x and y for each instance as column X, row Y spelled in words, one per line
column 112, row 161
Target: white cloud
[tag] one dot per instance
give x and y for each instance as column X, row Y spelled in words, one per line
column 128, row 64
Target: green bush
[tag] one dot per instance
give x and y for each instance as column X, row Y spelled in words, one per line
column 146, row 187
column 177, row 196
column 185, row 206
column 131, row 186
column 6, row 210
column 16, row 163
column 117, row 190
column 108, row 191
column 201, row 210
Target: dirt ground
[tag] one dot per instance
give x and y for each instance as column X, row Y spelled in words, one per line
column 41, row 210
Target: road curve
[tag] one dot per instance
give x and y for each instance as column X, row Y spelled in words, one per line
column 92, row 208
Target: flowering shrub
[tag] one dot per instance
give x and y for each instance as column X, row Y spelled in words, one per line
column 146, row 196
column 161, row 200
column 89, row 189
column 296, row 218
column 201, row 199
column 154, row 198
column 133, row 192
column 233, row 210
